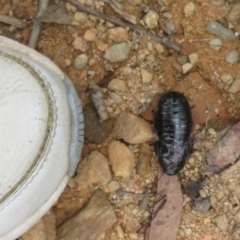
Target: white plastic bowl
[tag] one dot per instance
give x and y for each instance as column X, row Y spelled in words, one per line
column 41, row 135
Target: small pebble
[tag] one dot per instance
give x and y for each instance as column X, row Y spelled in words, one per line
column 220, row 85
column 215, row 44
column 151, row 19
column 181, row 59
column 189, row 9
column 117, row 85
column 232, row 57
column 202, row 193
column 159, row 48
column 235, row 86
column 146, row 76
column 193, row 58
column 80, row 61
column 217, row 29
column 80, row 44
column 188, row 231
column 113, row 186
column 186, row 67
column 118, row 34
column 116, row 98
column 12, row 29
column 227, row 78
column 170, row 28
column 89, row 36
column 127, row 70
column 80, row 17
column 168, row 15
column 102, row 46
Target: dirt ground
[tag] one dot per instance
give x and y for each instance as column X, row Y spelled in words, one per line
column 56, row 41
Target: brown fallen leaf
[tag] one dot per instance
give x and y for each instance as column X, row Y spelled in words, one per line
column 12, row 21
column 166, row 222
column 227, row 150
column 55, row 14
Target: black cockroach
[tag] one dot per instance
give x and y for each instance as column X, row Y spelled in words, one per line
column 173, row 124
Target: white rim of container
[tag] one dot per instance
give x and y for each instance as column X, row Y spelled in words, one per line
column 33, row 196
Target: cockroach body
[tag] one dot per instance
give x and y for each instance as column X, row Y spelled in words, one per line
column 173, row 124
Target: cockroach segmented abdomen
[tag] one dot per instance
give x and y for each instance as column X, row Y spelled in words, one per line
column 173, row 124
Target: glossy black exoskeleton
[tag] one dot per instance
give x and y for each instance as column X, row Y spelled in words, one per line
column 173, row 124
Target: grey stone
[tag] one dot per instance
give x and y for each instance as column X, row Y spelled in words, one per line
column 116, row 98
column 202, row 205
column 80, row 61
column 235, row 86
column 217, row 29
column 215, row 44
column 181, row 59
column 95, row 131
column 170, row 28
column 220, row 85
column 232, row 57
column 227, row 78
column 117, row 52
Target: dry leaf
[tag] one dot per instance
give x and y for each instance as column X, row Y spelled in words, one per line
column 227, row 150
column 166, row 223
column 55, row 14
column 12, row 21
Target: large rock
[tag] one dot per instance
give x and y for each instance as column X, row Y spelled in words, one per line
column 92, row 222
column 133, row 129
column 43, row 230
column 121, row 158
column 94, row 130
column 201, row 95
column 93, row 169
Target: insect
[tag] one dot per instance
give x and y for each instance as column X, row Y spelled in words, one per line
column 173, row 124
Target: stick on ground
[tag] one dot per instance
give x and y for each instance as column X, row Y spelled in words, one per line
column 118, row 22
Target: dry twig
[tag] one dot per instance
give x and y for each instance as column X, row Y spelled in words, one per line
column 118, row 22
column 32, row 43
